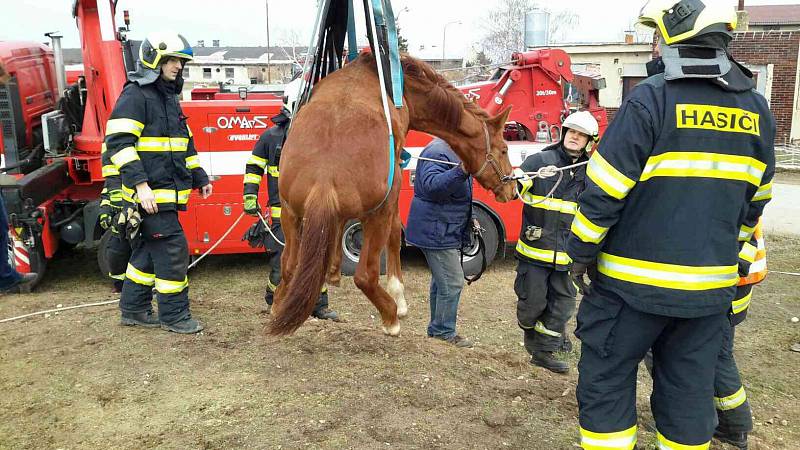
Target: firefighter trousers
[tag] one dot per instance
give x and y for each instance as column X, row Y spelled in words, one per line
column 275, row 251
column 118, row 253
column 545, row 302
column 160, row 259
column 615, row 338
column 730, row 399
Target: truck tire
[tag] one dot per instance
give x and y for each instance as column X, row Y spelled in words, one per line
column 351, row 248
column 491, row 239
column 102, row 258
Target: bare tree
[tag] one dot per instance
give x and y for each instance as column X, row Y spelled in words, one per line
column 561, row 24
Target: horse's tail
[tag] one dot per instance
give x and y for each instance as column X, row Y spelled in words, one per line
column 316, row 246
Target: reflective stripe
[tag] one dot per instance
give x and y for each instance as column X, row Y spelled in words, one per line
column 271, row 287
column 538, row 254
column 192, row 162
column 171, row 287
column 526, row 185
column 586, row 230
column 115, row 195
column 745, row 233
column 139, row 277
column 162, row 144
column 130, row 126
column 620, row 440
column 732, row 401
column 252, row 178
column 103, row 148
column 540, row 328
column 610, row 180
column 671, row 276
column 189, row 130
column 706, row 165
column 124, row 156
column 748, row 252
column 110, row 170
column 161, row 195
column 741, row 304
column 258, row 161
column 763, row 193
column 105, row 202
column 550, row 204
column 759, row 265
column 120, row 276
column 666, row 444
column 274, row 171
column 275, row 211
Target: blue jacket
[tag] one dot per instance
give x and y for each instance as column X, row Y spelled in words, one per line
column 442, row 204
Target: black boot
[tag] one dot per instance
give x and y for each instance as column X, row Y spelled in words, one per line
column 142, row 319
column 738, row 440
column 566, row 345
column 185, row 326
column 326, row 314
column 546, row 360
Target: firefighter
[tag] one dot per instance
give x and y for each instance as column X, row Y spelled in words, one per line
column 150, row 144
column 545, row 293
column 266, row 158
column 681, row 174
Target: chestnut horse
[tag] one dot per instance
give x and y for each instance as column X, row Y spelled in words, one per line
column 335, row 165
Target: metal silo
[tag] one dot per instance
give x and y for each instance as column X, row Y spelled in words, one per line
column 537, row 28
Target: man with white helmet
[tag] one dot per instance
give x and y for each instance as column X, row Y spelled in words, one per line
column 149, row 151
column 674, row 190
column 265, row 158
column 545, row 293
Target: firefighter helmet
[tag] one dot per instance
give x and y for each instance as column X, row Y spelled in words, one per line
column 158, row 46
column 681, row 20
column 584, row 122
column 291, row 92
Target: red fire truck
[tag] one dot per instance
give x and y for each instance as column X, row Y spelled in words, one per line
column 52, row 134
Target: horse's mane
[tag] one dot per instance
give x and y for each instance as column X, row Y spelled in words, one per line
column 445, row 100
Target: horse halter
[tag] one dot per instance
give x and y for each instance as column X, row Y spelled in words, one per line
column 490, row 161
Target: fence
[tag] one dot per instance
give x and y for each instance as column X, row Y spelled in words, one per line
column 787, row 156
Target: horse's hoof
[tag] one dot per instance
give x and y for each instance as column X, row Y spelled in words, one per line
column 402, row 312
column 392, row 330
column 335, row 280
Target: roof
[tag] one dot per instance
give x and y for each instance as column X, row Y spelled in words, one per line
column 74, row 56
column 774, row 14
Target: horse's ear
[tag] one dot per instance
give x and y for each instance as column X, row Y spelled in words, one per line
column 498, row 122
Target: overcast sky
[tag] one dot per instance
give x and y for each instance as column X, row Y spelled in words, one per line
column 243, row 22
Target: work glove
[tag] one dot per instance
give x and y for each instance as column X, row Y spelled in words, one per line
column 255, row 234
column 106, row 217
column 547, row 172
column 128, row 223
column 251, row 204
column 579, row 272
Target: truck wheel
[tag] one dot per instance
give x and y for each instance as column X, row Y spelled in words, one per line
column 102, row 257
column 491, row 239
column 352, row 237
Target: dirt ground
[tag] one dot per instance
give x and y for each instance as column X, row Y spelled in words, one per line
column 80, row 380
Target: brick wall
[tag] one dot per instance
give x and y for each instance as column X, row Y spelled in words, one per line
column 781, row 49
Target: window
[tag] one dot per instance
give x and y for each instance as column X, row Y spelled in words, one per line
column 229, row 72
column 253, row 80
column 185, row 73
column 206, row 73
column 628, row 83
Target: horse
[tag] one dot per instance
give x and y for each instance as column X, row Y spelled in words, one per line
column 335, row 166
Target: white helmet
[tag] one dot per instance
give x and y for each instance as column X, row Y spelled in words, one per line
column 291, row 92
column 584, row 122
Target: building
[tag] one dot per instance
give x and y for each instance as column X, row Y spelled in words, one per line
column 773, row 18
column 243, row 65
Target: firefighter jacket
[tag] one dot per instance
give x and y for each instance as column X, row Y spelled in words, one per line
column 752, row 270
column 546, row 224
column 266, row 157
column 148, row 140
column 682, row 173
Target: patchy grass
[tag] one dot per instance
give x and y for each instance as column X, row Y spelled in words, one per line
column 79, row 380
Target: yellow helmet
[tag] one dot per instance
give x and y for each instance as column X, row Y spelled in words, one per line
column 681, row 20
column 157, row 46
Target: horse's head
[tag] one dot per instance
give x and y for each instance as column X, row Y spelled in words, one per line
column 486, row 157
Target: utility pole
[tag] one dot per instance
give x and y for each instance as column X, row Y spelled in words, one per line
column 444, row 35
column 269, row 74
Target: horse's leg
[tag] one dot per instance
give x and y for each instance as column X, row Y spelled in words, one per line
column 368, row 271
column 335, row 270
column 289, row 224
column 395, row 274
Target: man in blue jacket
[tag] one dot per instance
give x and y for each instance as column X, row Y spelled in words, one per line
column 439, row 225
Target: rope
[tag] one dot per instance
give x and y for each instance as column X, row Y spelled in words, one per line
column 786, row 273
column 539, row 174
column 86, row 305
column 269, row 229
